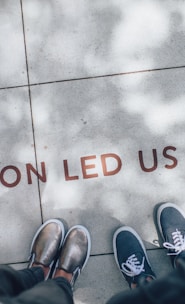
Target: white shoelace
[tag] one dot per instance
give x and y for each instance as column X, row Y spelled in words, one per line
column 132, row 266
column 179, row 243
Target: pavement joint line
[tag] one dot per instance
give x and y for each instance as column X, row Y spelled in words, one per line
column 93, row 77
column 111, row 253
column 30, row 102
column 91, row 256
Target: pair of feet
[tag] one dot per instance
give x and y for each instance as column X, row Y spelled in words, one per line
column 130, row 253
column 60, row 254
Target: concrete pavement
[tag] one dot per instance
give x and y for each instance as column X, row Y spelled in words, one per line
column 92, row 125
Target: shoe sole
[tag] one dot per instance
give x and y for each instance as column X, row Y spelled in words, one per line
column 127, row 228
column 159, row 211
column 37, row 233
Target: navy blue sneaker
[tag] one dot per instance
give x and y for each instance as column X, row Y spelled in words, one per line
column 131, row 257
column 171, row 224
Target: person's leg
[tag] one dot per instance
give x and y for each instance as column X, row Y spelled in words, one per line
column 72, row 259
column 129, row 297
column 13, row 282
column 46, row 243
column 167, row 290
column 52, row 291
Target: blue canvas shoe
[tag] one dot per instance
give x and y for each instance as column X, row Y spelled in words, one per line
column 131, row 257
column 171, row 224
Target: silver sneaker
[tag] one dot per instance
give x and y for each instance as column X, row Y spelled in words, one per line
column 75, row 252
column 46, row 243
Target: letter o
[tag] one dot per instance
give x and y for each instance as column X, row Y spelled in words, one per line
column 16, row 182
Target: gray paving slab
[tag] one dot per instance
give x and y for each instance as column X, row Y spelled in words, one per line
column 12, row 54
column 101, row 278
column 74, row 39
column 19, row 200
column 89, row 134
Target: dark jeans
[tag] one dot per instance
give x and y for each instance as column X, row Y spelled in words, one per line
column 28, row 286
column 167, row 290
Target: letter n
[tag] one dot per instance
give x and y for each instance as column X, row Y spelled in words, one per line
column 42, row 176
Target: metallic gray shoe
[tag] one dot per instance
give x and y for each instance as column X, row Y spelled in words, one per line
column 46, row 243
column 75, row 251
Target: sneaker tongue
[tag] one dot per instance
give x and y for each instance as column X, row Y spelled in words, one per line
column 171, row 231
